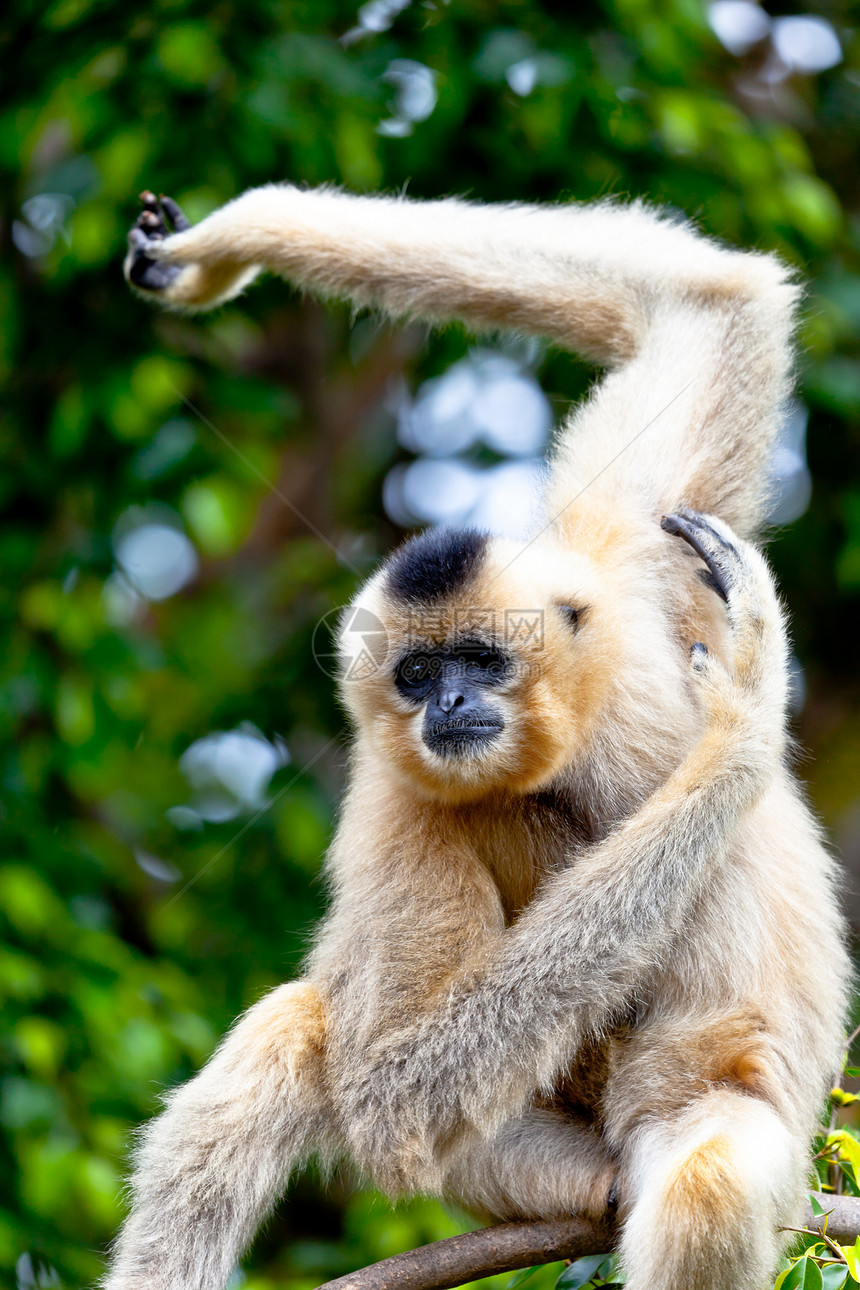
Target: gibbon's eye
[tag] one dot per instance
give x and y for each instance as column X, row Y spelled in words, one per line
column 572, row 616
column 413, row 670
column 415, row 673
column 485, row 660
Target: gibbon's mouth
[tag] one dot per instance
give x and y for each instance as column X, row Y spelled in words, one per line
column 446, row 737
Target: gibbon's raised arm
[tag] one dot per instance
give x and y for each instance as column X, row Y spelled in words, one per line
column 703, row 333
column 592, row 278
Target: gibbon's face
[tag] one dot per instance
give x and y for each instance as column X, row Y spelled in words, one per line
column 473, row 665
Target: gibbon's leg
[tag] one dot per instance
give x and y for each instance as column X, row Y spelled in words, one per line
column 539, row 1164
column 705, row 331
column 209, row 1169
column 515, row 1016
column 703, row 1195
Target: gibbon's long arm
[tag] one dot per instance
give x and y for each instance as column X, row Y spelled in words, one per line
column 592, row 278
column 702, row 333
column 508, row 1022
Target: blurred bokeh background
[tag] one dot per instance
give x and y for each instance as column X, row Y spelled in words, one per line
column 172, row 751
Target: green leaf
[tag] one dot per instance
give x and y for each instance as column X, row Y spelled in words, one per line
column 615, row 1274
column 519, row 1277
column 852, row 1256
column 849, row 1147
column 833, row 1276
column 804, row 1274
column 581, row 1271
column 815, row 1205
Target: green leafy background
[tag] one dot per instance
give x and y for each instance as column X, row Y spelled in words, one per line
column 116, row 983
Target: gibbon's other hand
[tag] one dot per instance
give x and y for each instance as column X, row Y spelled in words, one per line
column 716, row 549
column 147, row 273
column 739, row 575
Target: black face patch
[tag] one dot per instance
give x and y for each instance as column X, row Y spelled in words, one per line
column 434, row 565
column 423, row 670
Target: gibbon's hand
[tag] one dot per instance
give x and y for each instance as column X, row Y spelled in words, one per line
column 141, row 268
column 758, row 687
column 183, row 266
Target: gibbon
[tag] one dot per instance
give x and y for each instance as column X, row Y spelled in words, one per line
column 583, row 948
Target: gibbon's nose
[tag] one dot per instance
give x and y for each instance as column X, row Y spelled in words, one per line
column 450, row 699
column 458, row 720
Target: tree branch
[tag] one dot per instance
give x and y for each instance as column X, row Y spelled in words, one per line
column 843, row 1221
column 508, row 1246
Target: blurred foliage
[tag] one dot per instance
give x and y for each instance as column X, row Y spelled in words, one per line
column 117, row 975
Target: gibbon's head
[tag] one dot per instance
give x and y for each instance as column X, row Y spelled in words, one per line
column 474, row 665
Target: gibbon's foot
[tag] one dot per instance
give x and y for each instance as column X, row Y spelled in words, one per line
column 152, row 226
column 718, row 552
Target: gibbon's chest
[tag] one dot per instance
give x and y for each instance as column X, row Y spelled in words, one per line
column 522, row 849
column 524, row 845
